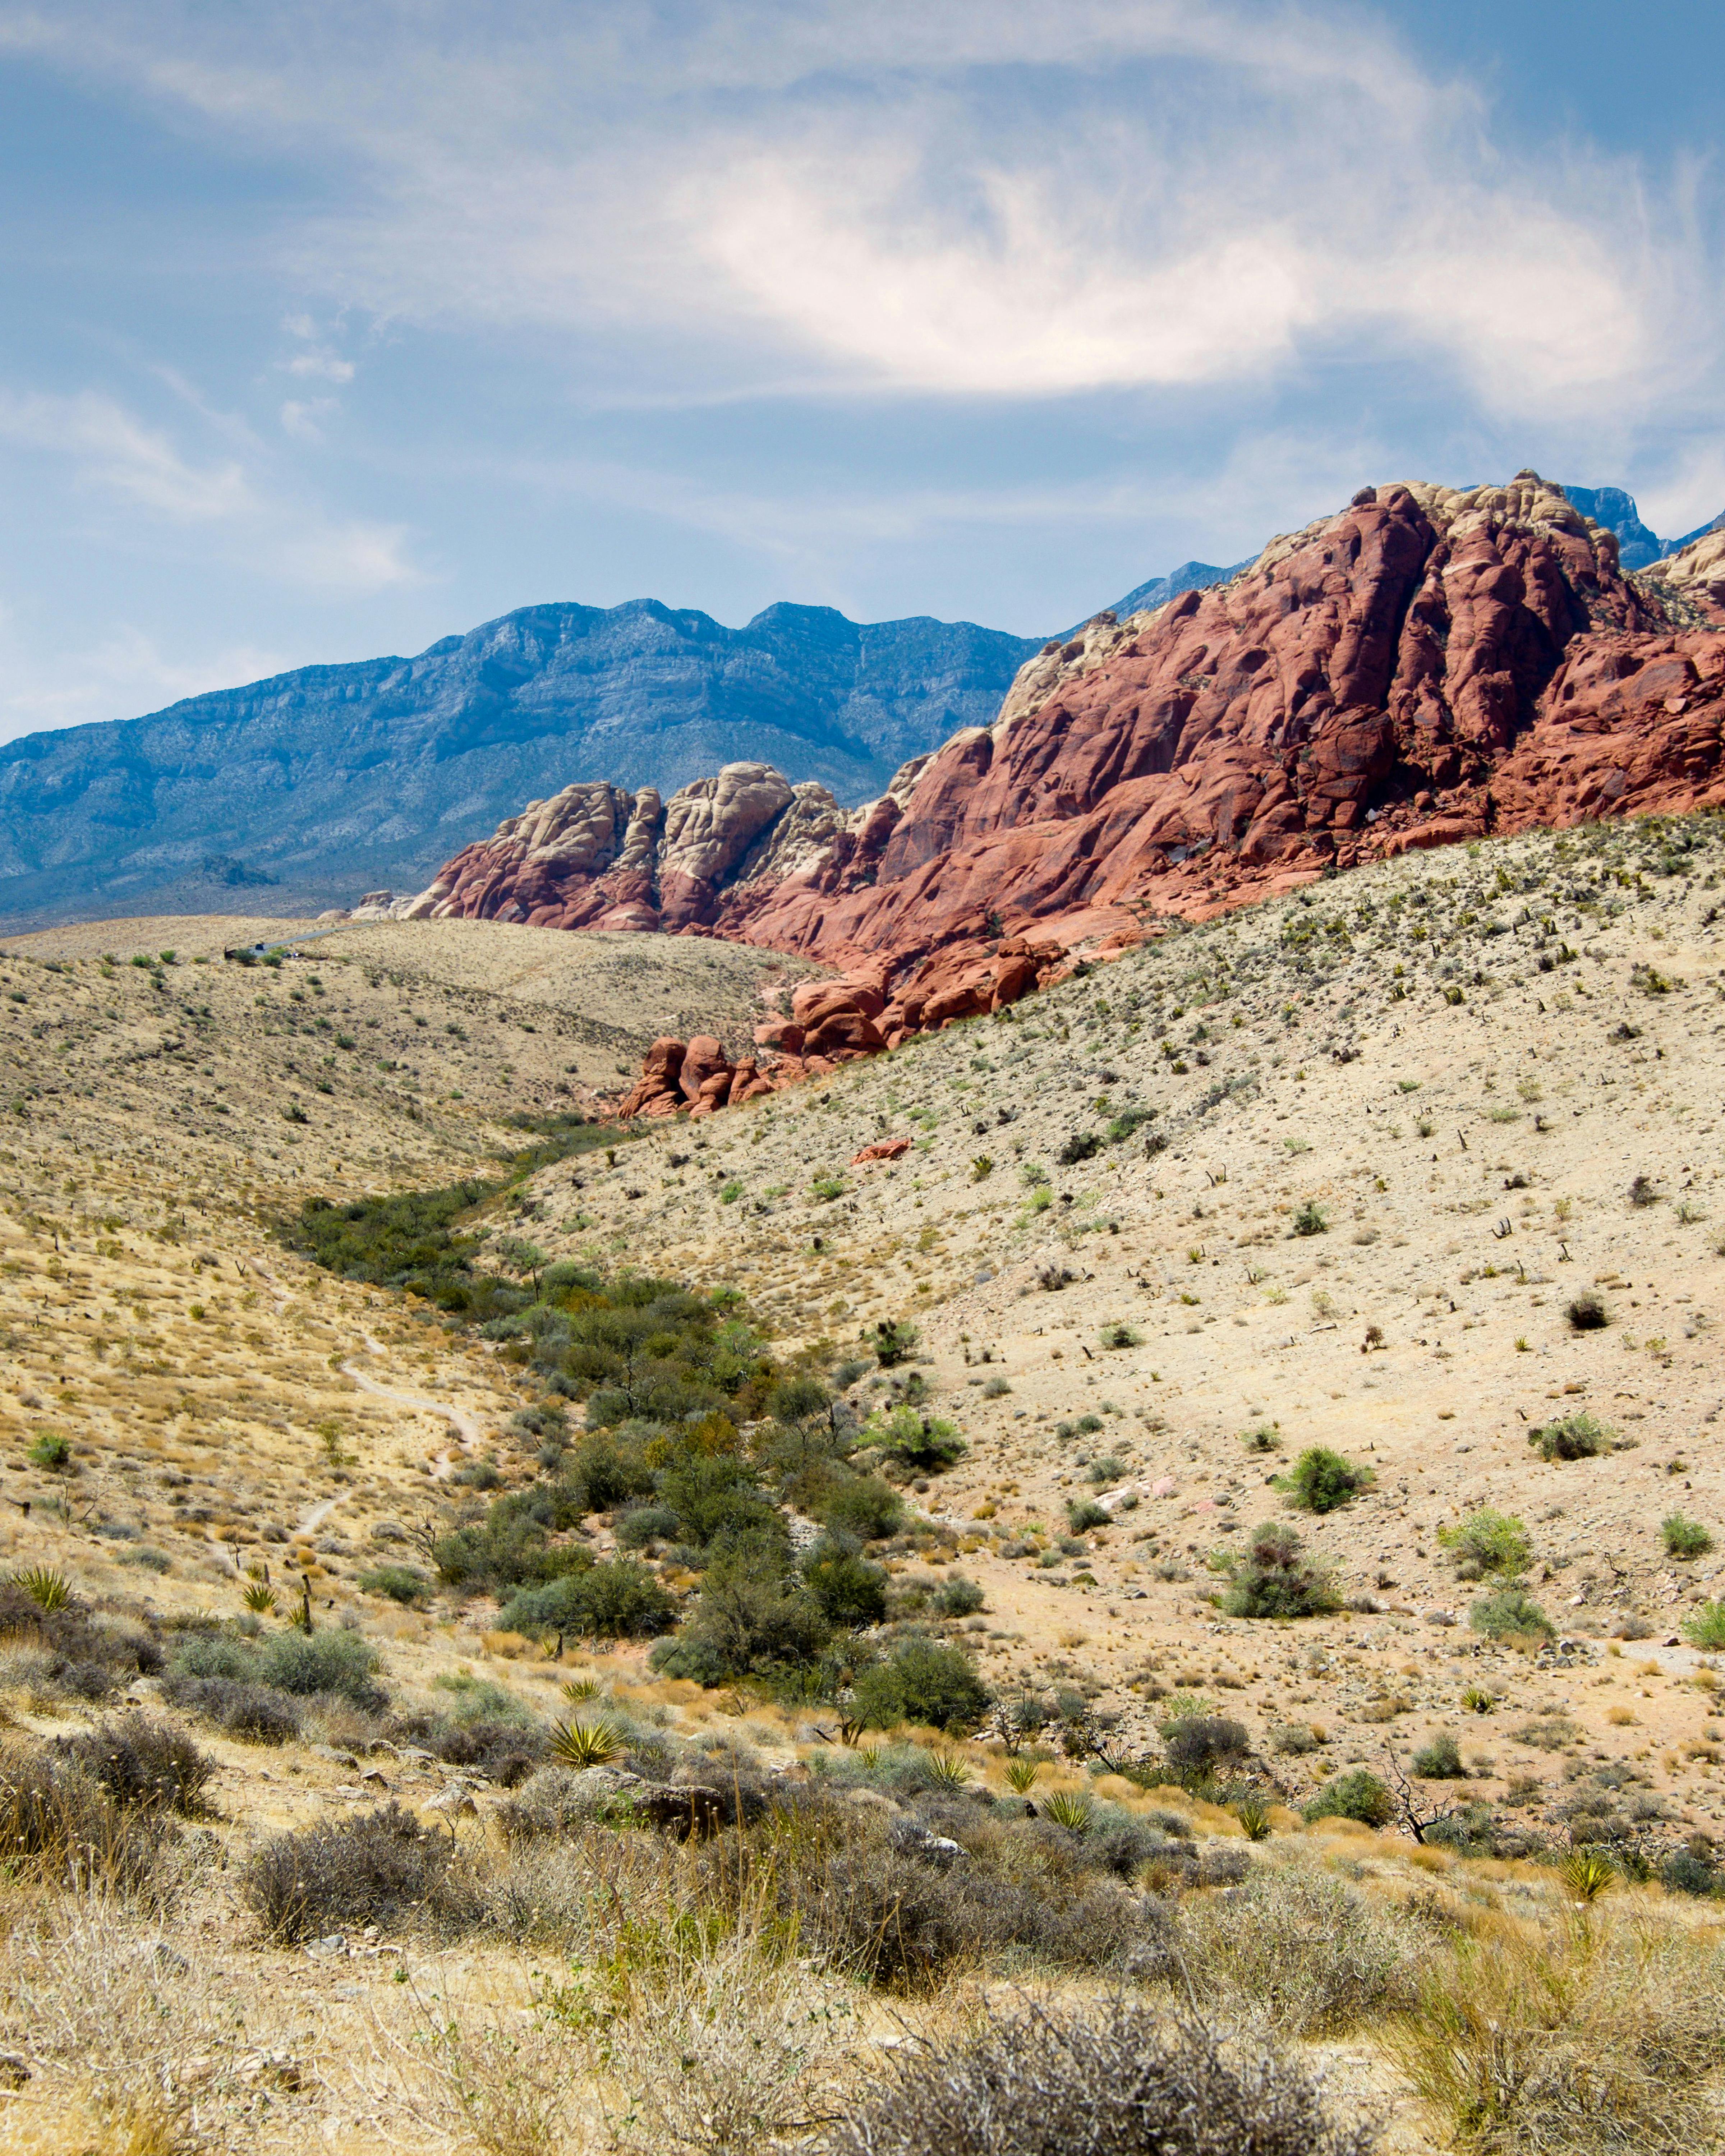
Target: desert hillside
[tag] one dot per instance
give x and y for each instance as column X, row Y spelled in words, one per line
column 1419, row 1165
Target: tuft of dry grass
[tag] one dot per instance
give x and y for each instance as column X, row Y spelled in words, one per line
column 1599, row 2037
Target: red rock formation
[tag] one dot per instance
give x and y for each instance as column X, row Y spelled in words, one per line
column 886, row 1149
column 1428, row 666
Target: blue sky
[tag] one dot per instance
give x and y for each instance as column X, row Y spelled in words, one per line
column 327, row 330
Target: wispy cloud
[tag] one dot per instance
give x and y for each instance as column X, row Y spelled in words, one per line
column 1001, row 200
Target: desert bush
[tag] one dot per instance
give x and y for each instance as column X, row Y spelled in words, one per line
column 860, row 1505
column 1295, row 1737
column 1510, row 1612
column 894, row 1341
column 143, row 1763
column 1577, row 1436
column 1321, row 1480
column 1704, row 1627
column 399, row 1583
column 257, row 1714
column 925, row 1443
column 1080, row 1146
column 645, row 1523
column 60, row 1824
column 1309, row 1953
column 850, row 1591
column 1601, row 2038
column 381, row 1867
column 328, row 1661
column 1358, row 1794
column 957, row 1597
column 1084, row 1513
column 1118, row 1334
column 613, row 1600
column 1587, row 1312
column 1440, row 1760
column 1684, row 1537
column 1275, row 1578
column 1309, row 1220
column 1199, row 1746
column 1113, row 2077
column 921, row 1681
column 1487, row 1541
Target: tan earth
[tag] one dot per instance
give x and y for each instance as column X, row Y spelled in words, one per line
column 1385, row 1046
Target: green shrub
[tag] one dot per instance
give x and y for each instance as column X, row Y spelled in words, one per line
column 329, row 1662
column 1200, row 1746
column 851, row 1592
column 1309, row 1220
column 1510, row 1612
column 860, row 1505
column 1487, row 1541
column 925, row 1443
column 714, row 1494
column 1083, row 1513
column 1275, row 1578
column 400, row 1583
column 958, row 1597
column 50, row 1451
column 1266, row 1438
column 921, row 1681
column 1684, row 1537
column 1320, row 1480
column 1704, row 1627
column 1358, row 1794
column 894, row 1341
column 1082, row 1145
column 1440, row 1760
column 612, row 1600
column 754, row 1616
column 1119, row 1334
column 1578, row 1436
column 1587, row 1312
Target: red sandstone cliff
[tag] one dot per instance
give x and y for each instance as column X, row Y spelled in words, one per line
column 1428, row 666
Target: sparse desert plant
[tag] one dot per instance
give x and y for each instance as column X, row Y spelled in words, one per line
column 1644, row 1191
column 1704, row 1627
column 143, row 1764
column 1201, row 1746
column 1684, row 1537
column 1488, row 1542
column 1113, row 2077
column 1276, row 1577
column 894, row 1341
column 1587, row 1312
column 1309, row 1220
column 1511, row 1613
column 1022, row 1775
column 1478, row 1700
column 1083, row 1513
column 1117, row 1333
column 1309, row 1952
column 1601, row 2038
column 578, row 1691
column 1358, row 1794
column 1321, row 1480
column 1254, row 1816
column 947, row 1772
column 995, row 1388
column 59, row 1825
column 382, row 1868
column 577, row 1743
column 50, row 1452
column 957, row 1597
column 259, row 1597
column 50, row 1590
column 925, row 1443
column 1440, row 1760
column 1295, row 1737
column 1266, row 1437
column 1070, row 1809
column 1577, row 1436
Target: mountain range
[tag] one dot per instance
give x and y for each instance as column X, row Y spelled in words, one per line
column 314, row 783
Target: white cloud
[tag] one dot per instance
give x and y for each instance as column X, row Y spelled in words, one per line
column 322, row 366
column 976, row 197
column 114, row 452
column 126, row 673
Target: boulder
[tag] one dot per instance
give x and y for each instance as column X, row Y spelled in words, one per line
column 705, row 1058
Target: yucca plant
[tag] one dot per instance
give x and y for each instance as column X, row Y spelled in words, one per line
column 1589, row 1873
column 1022, row 1775
column 1478, row 1700
column 260, row 1597
column 1254, row 1816
column 870, row 1754
column 1068, row 1810
column 585, row 1743
column 578, row 1691
column 49, row 1589
column 947, row 1771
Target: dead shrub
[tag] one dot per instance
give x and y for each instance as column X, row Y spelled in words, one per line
column 1110, row 2079
column 1601, row 2038
column 58, row 1824
column 143, row 1763
column 1313, row 1955
column 380, row 1868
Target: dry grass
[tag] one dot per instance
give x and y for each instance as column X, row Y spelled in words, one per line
column 1599, row 2035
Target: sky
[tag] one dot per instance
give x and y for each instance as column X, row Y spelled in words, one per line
column 328, row 330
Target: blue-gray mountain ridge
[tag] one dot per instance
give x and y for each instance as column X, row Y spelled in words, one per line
column 308, row 788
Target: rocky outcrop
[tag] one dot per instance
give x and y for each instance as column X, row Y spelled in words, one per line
column 1429, row 664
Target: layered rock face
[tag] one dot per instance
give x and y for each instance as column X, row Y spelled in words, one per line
column 1428, row 666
